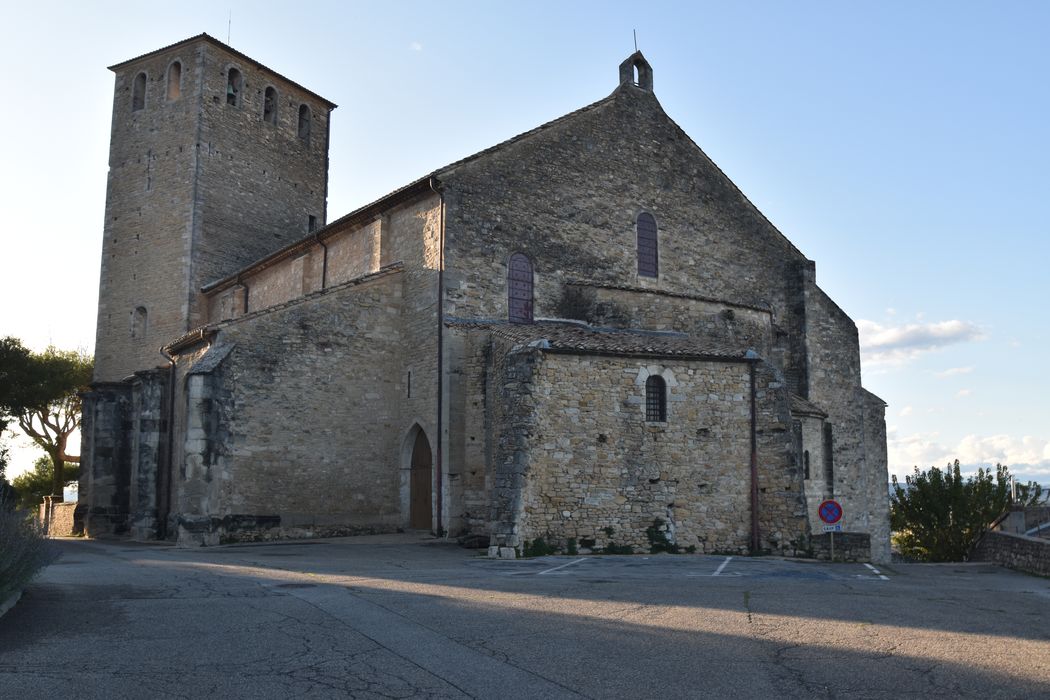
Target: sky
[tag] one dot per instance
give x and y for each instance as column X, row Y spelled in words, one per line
column 900, row 145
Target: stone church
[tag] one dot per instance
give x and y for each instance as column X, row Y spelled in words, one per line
column 584, row 334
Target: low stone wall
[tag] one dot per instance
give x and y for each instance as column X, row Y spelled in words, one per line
column 849, row 546
column 1030, row 554
column 56, row 517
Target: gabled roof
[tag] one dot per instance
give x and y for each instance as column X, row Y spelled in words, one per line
column 412, row 189
column 433, row 178
column 579, row 338
column 229, row 49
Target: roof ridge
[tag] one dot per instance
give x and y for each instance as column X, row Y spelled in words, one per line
column 204, row 36
column 526, row 134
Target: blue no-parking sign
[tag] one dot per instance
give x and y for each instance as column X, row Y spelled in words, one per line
column 830, row 511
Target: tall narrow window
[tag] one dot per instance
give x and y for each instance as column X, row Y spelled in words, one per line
column 138, row 93
column 233, row 87
column 270, row 106
column 805, row 463
column 139, row 322
column 655, row 399
column 519, row 289
column 648, row 258
column 174, row 81
column 304, row 123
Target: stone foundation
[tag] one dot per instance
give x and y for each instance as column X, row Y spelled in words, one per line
column 849, row 546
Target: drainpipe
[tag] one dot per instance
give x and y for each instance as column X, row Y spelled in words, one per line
column 754, row 464
column 164, row 480
column 440, row 355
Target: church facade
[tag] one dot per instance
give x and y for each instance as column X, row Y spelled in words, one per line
column 585, row 334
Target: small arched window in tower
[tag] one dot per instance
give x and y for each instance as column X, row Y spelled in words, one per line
column 304, row 123
column 139, row 322
column 138, row 93
column 174, row 81
column 648, row 256
column 270, row 106
column 233, row 87
column 519, row 289
column 655, row 399
column 805, row 463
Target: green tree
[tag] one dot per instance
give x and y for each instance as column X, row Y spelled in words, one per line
column 40, row 391
column 6, row 496
column 33, row 485
column 939, row 515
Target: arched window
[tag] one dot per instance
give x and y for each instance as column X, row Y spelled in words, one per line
column 304, row 123
column 233, row 87
column 174, row 81
column 138, row 93
column 270, row 106
column 655, row 399
column 648, row 257
column 139, row 322
column 519, row 289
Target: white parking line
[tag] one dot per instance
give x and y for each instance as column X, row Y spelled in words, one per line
column 877, row 572
column 562, row 566
column 722, row 566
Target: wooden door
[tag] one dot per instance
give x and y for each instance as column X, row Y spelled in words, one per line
column 420, row 492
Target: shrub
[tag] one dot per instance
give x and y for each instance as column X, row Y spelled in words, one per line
column 658, row 539
column 23, row 548
column 538, row 548
column 940, row 515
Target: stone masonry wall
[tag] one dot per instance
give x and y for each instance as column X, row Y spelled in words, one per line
column 105, row 454
column 510, row 423
column 1020, row 552
column 149, row 215
column 296, row 430
column 149, row 442
column 593, row 462
column 857, row 425
column 258, row 182
column 817, row 488
column 197, row 188
column 56, row 517
column 731, row 325
column 568, row 197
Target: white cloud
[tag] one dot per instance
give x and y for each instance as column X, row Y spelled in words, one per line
column 1028, row 457
column 897, row 345
column 415, row 46
column 906, row 411
column 963, row 393
column 953, row 371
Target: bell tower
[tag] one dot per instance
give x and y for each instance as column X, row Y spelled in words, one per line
column 215, row 160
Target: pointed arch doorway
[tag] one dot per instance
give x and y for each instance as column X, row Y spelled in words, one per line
column 420, row 487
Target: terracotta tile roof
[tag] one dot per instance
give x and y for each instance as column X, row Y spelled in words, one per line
column 573, row 337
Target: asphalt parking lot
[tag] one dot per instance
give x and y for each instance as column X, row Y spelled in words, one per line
column 406, row 616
